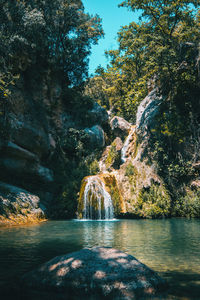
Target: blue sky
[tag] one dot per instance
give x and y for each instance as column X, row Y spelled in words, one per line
column 112, row 19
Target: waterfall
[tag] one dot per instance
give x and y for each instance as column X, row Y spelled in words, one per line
column 97, row 201
column 126, row 145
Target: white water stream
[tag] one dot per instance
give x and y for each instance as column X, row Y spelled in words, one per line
column 126, row 145
column 97, row 201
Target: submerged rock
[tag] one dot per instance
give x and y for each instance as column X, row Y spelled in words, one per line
column 94, row 273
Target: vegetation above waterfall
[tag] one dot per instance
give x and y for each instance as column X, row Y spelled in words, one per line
column 48, row 35
column 161, row 52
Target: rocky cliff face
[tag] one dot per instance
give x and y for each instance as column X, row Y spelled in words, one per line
column 142, row 189
column 152, row 187
column 49, row 141
column 33, row 124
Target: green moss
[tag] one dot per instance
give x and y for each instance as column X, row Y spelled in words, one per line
column 114, row 191
column 113, row 157
column 132, row 173
column 80, row 199
column 94, row 167
column 130, row 170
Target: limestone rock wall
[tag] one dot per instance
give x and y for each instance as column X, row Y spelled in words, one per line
column 158, row 174
column 141, row 188
column 35, row 120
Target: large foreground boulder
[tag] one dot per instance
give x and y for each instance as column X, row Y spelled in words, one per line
column 94, row 273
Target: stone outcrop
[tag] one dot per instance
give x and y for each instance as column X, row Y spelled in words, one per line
column 31, row 137
column 96, row 136
column 18, row 206
column 142, row 190
column 37, row 121
column 94, row 273
column 120, row 127
column 195, row 184
column 146, row 112
column 98, row 114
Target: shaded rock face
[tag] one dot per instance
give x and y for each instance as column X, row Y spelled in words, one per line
column 31, row 137
column 94, row 273
column 24, row 166
column 120, row 127
column 27, row 147
column 37, row 120
column 147, row 111
column 19, row 206
column 98, row 114
column 142, row 189
column 96, row 136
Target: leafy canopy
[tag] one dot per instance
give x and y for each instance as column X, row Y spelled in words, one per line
column 54, row 35
column 161, row 50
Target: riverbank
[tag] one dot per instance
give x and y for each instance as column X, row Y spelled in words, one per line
column 14, row 220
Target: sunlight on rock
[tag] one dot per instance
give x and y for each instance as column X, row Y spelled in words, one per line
column 122, row 261
column 119, row 285
column 64, row 262
column 99, row 275
column 51, row 268
column 63, row 271
column 111, row 253
column 103, row 269
column 76, row 264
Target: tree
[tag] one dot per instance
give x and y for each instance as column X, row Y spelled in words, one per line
column 47, row 34
column 161, row 50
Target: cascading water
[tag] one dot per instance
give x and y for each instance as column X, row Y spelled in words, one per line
column 126, row 145
column 97, row 201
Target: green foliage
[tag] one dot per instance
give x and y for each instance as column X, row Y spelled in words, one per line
column 96, row 88
column 113, row 157
column 55, row 34
column 153, row 202
column 188, row 205
column 161, row 50
column 72, row 161
column 94, row 167
column 130, row 170
column 172, row 146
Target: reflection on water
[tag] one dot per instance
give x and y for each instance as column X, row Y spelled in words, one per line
column 170, row 247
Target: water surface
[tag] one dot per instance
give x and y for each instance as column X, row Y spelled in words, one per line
column 170, row 247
